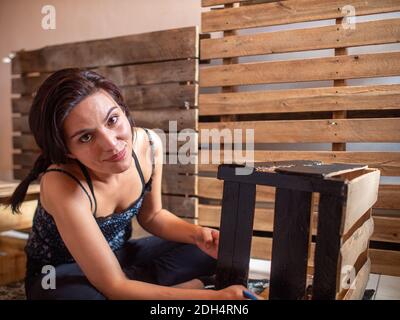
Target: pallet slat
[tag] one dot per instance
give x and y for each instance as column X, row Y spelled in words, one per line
column 160, row 45
column 383, row 97
column 160, row 119
column 304, row 131
column 130, row 75
column 290, row 11
column 301, row 70
column 385, row 228
column 181, row 206
column 366, row 33
column 387, row 162
column 211, row 188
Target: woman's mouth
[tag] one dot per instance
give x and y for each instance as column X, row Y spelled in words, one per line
column 118, row 156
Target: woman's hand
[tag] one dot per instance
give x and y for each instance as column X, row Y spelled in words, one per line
column 234, row 292
column 207, row 240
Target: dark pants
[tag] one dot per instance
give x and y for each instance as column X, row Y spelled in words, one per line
column 149, row 259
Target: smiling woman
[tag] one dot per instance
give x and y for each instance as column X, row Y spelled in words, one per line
column 97, row 171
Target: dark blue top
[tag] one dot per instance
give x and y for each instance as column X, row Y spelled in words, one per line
column 45, row 245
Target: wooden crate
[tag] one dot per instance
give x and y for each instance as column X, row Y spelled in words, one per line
column 12, row 260
column 332, row 113
column 339, row 258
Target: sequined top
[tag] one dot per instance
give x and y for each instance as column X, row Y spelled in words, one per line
column 45, row 245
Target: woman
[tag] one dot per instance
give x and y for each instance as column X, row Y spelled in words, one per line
column 97, row 171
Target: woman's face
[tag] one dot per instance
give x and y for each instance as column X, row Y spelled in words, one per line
column 99, row 135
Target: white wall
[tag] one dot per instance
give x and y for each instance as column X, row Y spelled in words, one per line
column 21, row 28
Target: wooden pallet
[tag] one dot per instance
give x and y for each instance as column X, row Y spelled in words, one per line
column 158, row 75
column 236, row 94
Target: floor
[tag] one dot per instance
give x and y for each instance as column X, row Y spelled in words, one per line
column 386, row 287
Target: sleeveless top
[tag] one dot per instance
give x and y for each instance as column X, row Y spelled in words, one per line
column 45, row 245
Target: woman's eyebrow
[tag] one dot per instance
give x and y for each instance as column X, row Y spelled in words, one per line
column 85, row 130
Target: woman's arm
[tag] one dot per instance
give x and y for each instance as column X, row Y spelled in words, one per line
column 83, row 238
column 164, row 224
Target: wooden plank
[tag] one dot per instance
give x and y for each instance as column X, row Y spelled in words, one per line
column 352, row 249
column 388, row 197
column 385, row 262
column 235, row 234
column 341, row 114
column 210, row 3
column 147, row 47
column 181, row 206
column 357, row 288
column 22, row 105
column 152, row 73
column 160, row 96
column 12, row 265
column 290, row 244
column 386, row 229
column 382, row 97
column 27, row 85
column 312, row 69
column 7, row 188
column 21, row 124
column 160, row 118
column 9, row 221
column 225, row 273
column 327, row 250
column 304, row 131
column 387, row 162
column 362, row 193
column 128, row 75
column 366, row 33
column 242, row 231
column 26, row 159
column 210, row 215
column 261, row 248
column 177, row 184
column 212, row 188
column 290, row 11
column 180, row 168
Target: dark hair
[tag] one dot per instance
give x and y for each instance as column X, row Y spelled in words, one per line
column 55, row 99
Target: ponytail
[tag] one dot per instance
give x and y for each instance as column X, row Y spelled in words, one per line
column 18, row 196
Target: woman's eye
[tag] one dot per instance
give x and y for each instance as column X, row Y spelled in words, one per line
column 85, row 138
column 113, row 120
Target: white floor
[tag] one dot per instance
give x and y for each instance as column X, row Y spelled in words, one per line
column 386, row 287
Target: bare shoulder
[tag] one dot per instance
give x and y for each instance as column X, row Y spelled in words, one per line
column 142, row 140
column 58, row 189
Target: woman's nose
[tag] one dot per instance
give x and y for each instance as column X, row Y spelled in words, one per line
column 107, row 140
